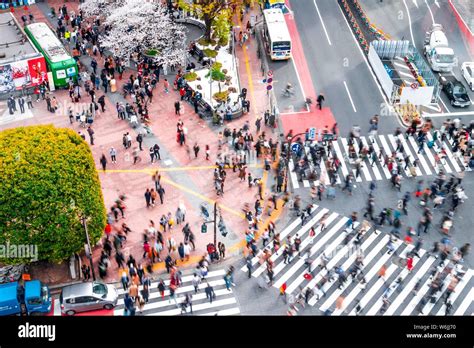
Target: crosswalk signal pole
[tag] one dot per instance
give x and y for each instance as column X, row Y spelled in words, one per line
column 215, row 224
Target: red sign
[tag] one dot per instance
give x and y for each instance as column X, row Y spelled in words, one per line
column 37, row 70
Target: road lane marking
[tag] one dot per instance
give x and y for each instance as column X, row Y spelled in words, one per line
column 431, row 12
column 442, row 102
column 322, row 22
column 350, row 97
column 409, row 21
column 387, row 104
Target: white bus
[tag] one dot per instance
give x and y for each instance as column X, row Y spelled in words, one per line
column 276, row 34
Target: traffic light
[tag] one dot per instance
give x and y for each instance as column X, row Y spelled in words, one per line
column 222, row 228
column 203, row 228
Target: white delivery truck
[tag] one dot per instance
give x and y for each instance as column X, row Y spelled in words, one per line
column 437, row 51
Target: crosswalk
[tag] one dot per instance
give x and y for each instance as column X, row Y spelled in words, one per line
column 427, row 165
column 397, row 285
column 224, row 303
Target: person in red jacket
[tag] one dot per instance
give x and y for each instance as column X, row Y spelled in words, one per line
column 410, row 263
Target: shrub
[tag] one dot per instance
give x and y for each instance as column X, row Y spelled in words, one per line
column 221, row 96
column 210, row 53
column 48, row 179
column 204, row 42
column 190, row 76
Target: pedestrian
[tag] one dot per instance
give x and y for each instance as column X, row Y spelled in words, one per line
column 221, row 248
column 90, row 131
column 208, row 152
column 210, row 294
column 161, row 193
column 320, row 100
column 161, row 288
column 113, row 154
column 177, row 108
column 125, row 280
column 382, row 272
column 86, row 272
column 156, row 148
column 166, row 85
column 103, row 162
column 140, row 140
column 249, row 266
column 196, row 150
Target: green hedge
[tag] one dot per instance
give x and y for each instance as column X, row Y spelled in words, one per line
column 48, row 178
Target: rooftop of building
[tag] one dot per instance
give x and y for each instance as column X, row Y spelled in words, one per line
column 13, row 43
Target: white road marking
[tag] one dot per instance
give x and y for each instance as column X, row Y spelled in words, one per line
column 465, row 303
column 322, row 22
column 350, row 97
column 431, row 12
column 437, row 4
column 442, row 102
column 461, row 113
column 414, row 3
column 387, row 104
column 409, row 21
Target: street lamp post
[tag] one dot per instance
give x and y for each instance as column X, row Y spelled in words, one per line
column 89, row 250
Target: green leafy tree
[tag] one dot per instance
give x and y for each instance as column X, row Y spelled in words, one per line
column 216, row 14
column 48, row 180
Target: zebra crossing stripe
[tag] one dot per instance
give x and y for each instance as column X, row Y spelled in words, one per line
column 452, row 158
column 293, row 176
column 417, row 298
column 374, row 168
column 324, row 171
column 184, row 279
column 384, row 168
column 301, row 232
column 300, row 262
column 372, row 254
column 341, row 222
column 164, row 303
column 198, row 307
column 224, row 312
column 392, row 140
column 466, row 303
column 365, row 170
column 346, row 150
column 409, row 287
column 336, row 147
column 365, row 300
column 335, row 259
column 457, row 291
column 408, row 151
column 429, row 306
column 444, row 163
column 374, row 309
column 415, row 146
column 295, row 223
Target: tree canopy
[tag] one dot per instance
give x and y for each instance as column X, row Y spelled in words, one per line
column 48, row 181
column 137, row 26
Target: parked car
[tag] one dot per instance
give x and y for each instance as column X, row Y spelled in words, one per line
column 467, row 70
column 455, row 91
column 87, row 297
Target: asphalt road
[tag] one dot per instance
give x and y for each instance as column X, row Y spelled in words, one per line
column 395, row 18
column 337, row 66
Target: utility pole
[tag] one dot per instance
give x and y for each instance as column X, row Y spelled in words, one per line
column 88, row 245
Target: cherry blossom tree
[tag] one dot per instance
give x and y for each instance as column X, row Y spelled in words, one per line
column 102, row 8
column 143, row 27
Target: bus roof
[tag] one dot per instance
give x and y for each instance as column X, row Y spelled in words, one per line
column 48, row 41
column 276, row 25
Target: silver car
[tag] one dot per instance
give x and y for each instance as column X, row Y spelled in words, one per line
column 87, row 297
